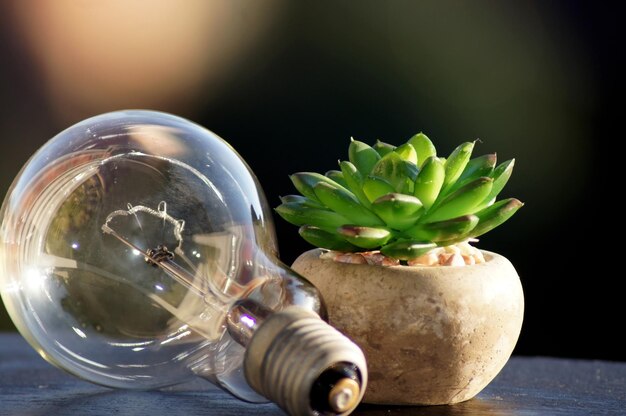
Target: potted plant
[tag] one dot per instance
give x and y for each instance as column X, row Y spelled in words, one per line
column 436, row 317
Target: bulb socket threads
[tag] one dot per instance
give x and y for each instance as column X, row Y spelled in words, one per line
column 304, row 365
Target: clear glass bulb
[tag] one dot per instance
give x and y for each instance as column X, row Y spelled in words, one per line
column 137, row 251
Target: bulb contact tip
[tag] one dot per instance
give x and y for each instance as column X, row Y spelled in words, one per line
column 344, row 395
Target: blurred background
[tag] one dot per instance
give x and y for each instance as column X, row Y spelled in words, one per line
column 288, row 83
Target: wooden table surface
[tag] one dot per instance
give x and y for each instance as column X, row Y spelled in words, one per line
column 526, row 387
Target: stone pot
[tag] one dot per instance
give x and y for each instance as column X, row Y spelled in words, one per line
column 431, row 335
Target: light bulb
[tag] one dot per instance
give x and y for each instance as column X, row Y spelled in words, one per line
column 137, row 251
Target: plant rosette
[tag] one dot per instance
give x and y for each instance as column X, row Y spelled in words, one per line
column 436, row 317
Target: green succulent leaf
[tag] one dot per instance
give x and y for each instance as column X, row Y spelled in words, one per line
column 365, row 237
column 500, row 176
column 383, row 148
column 494, row 215
column 455, row 228
column 305, row 181
column 461, row 202
column 300, row 214
column 397, row 172
column 399, row 211
column 477, row 167
column 346, row 204
column 337, row 176
column 429, row 181
column 456, row 162
column 301, row 200
column 407, row 249
column 324, row 239
column 407, row 153
column 375, row 187
column 354, row 180
column 363, row 156
column 423, row 147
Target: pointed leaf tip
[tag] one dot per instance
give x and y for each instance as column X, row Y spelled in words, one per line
column 363, row 156
column 423, row 146
column 456, row 162
column 495, row 215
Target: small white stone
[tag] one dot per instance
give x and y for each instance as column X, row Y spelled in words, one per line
column 478, row 256
column 351, row 258
column 443, row 258
column 374, row 257
column 465, row 248
column 452, row 249
column 328, row 254
column 469, row 260
column 429, row 259
column 455, row 260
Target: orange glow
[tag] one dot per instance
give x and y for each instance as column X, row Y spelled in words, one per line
column 99, row 56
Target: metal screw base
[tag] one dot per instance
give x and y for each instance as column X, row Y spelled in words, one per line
column 287, row 354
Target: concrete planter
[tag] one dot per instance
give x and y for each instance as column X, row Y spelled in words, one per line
column 431, row 335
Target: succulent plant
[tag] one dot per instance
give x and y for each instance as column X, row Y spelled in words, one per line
column 403, row 201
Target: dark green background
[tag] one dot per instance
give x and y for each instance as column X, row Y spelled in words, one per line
column 533, row 80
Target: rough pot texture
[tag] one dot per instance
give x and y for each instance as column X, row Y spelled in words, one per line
column 431, row 335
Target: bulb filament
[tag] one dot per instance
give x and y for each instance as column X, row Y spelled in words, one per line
column 160, row 256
